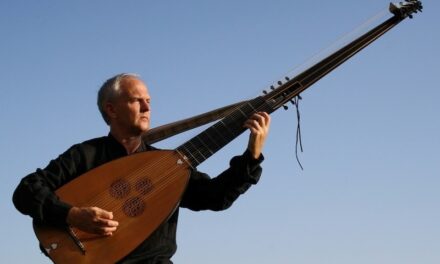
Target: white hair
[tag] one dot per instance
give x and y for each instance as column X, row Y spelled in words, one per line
column 109, row 90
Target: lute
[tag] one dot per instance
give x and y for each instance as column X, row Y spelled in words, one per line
column 142, row 190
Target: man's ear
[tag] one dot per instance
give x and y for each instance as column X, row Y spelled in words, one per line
column 110, row 110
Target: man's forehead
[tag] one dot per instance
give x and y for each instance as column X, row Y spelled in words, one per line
column 134, row 87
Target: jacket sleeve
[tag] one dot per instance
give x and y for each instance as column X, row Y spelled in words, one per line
column 35, row 195
column 205, row 193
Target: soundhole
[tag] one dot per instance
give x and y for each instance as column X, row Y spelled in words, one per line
column 133, row 207
column 143, row 186
column 120, row 189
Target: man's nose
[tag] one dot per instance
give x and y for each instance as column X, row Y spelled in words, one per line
column 145, row 106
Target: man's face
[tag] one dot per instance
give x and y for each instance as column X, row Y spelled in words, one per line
column 130, row 112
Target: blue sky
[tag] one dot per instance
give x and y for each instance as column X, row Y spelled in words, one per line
column 369, row 189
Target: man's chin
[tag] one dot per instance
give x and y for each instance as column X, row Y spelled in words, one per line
column 139, row 130
column 144, row 129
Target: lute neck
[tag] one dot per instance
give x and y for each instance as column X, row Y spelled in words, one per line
column 208, row 142
column 294, row 86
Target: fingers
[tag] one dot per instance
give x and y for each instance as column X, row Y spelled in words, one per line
column 102, row 213
column 102, row 219
column 258, row 124
column 92, row 220
column 259, row 121
column 105, row 231
column 104, row 226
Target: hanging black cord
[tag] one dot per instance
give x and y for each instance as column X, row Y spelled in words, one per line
column 298, row 142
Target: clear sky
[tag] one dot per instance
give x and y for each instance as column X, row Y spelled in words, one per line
column 369, row 191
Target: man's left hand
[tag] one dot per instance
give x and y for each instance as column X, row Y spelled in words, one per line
column 258, row 124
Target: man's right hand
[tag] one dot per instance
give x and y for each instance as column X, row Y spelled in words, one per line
column 92, row 220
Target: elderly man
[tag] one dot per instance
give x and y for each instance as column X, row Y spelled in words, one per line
column 124, row 103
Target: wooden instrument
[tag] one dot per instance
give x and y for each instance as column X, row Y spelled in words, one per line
column 142, row 190
column 168, row 130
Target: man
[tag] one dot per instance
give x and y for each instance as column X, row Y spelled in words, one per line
column 124, row 103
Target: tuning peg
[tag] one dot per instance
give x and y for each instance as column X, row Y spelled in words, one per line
column 287, row 78
column 285, row 107
column 264, row 91
column 272, row 88
column 279, row 83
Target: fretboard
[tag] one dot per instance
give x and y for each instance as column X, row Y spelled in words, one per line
column 208, row 142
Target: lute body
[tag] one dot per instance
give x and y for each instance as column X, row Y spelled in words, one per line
column 141, row 190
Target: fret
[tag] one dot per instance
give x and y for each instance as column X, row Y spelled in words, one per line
column 225, row 127
column 215, row 133
column 204, row 143
column 189, row 154
column 208, row 142
column 203, row 148
column 197, row 150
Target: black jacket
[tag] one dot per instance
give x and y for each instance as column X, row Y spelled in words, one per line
column 35, row 195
